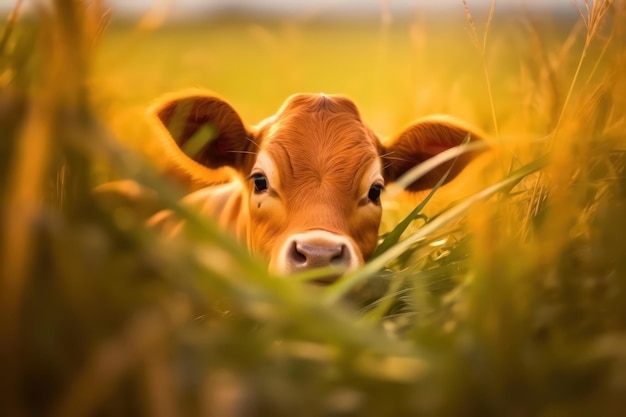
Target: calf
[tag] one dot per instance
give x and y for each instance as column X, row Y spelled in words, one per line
column 310, row 178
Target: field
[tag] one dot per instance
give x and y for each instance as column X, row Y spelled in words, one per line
column 503, row 293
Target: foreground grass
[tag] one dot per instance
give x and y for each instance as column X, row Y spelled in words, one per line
column 509, row 302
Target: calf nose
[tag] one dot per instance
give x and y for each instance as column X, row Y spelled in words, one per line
column 306, row 255
column 316, row 249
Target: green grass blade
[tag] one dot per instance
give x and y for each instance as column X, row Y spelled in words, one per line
column 394, row 236
column 341, row 287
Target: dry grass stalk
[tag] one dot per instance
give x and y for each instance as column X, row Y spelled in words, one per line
column 593, row 17
column 482, row 48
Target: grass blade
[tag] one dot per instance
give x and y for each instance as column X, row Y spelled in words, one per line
column 394, row 236
column 341, row 287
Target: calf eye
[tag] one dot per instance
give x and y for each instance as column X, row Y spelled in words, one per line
column 260, row 183
column 374, row 193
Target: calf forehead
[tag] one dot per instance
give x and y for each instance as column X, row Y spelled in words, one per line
column 320, row 145
column 318, row 102
column 305, row 111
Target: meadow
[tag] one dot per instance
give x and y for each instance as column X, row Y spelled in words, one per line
column 502, row 293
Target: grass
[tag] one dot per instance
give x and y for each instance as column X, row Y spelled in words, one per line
column 504, row 295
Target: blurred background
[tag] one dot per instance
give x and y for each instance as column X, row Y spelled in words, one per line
column 199, row 8
column 505, row 295
column 398, row 60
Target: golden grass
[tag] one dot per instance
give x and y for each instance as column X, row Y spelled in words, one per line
column 506, row 296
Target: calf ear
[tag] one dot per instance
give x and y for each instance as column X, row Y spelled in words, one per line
column 207, row 129
column 421, row 141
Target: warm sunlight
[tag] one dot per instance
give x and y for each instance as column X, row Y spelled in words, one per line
column 333, row 208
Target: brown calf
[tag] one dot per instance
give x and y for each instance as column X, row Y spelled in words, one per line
column 307, row 193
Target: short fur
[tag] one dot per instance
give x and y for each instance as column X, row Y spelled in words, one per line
column 321, row 151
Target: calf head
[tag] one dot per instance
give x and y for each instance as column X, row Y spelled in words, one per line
column 313, row 173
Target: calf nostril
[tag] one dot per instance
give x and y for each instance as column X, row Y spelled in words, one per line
column 297, row 256
column 341, row 257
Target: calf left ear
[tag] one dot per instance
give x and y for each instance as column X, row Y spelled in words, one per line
column 421, row 141
column 206, row 128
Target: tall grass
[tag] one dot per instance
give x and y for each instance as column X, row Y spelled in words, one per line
column 507, row 301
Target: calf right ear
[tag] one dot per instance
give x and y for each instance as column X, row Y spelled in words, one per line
column 421, row 141
column 206, row 129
